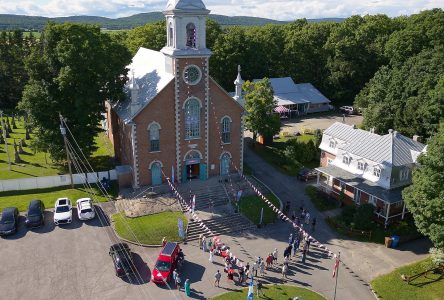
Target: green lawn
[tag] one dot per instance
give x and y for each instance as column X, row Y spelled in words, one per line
column 390, row 286
column 321, row 203
column 40, row 164
column 21, row 199
column 250, row 206
column 149, row 229
column 273, row 292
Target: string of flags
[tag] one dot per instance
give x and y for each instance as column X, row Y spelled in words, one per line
column 282, row 216
column 190, row 210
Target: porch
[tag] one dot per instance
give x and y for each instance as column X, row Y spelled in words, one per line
column 348, row 188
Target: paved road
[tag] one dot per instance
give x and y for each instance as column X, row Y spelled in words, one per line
column 365, row 260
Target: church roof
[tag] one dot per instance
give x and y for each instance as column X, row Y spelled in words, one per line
column 186, row 5
column 149, row 75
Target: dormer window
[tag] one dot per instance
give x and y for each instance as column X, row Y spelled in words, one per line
column 346, row 160
column 404, row 175
column 191, row 35
column 361, row 165
column 332, row 144
column 377, row 172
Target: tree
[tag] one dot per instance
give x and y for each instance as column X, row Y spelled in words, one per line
column 74, row 69
column 425, row 197
column 259, row 103
column 151, row 36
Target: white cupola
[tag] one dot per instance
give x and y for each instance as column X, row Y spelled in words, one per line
column 238, row 84
column 186, row 33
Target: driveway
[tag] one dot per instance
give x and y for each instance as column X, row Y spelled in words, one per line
column 364, row 260
column 321, row 121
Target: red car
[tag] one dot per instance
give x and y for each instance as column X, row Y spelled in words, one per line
column 166, row 263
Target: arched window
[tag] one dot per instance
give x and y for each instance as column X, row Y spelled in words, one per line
column 191, row 35
column 192, row 118
column 171, row 35
column 226, row 130
column 154, row 130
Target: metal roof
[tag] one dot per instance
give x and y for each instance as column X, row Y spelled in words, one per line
column 149, row 75
column 185, row 4
column 393, row 148
column 371, row 188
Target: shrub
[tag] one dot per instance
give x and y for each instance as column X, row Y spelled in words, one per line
column 363, row 218
column 348, row 213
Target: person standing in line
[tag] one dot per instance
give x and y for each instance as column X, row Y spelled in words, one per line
column 217, row 278
column 200, row 240
column 211, row 256
column 204, row 244
column 304, row 252
column 307, row 218
column 262, row 268
column 284, row 270
column 187, row 287
column 290, row 238
column 313, row 224
column 269, row 260
column 241, row 275
column 254, row 268
column 296, row 246
column 178, row 281
column 174, row 275
column 308, row 245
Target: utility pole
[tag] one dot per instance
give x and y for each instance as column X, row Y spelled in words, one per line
column 63, row 131
column 4, row 136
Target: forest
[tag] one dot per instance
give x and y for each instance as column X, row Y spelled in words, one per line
column 391, row 68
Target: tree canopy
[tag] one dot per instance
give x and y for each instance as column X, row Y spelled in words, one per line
column 72, row 71
column 259, row 104
column 425, row 197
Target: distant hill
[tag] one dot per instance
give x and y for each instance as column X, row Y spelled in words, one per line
column 9, row 22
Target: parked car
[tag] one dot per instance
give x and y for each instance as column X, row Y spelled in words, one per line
column 347, row 109
column 85, row 209
column 9, row 221
column 306, row 174
column 122, row 259
column 35, row 216
column 63, row 211
column 166, row 263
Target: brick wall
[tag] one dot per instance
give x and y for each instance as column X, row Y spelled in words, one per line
column 324, row 158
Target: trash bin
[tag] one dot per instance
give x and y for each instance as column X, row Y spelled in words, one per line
column 388, row 241
column 395, row 241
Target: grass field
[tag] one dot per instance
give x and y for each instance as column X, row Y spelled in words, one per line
column 21, row 199
column 390, row 286
column 275, row 292
column 250, row 206
column 150, row 229
column 40, row 164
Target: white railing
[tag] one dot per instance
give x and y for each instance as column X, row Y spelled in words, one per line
column 54, row 181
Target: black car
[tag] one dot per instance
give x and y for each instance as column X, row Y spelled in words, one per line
column 35, row 216
column 122, row 258
column 306, row 174
column 9, row 221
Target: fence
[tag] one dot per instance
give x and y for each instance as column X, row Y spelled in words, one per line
column 54, row 181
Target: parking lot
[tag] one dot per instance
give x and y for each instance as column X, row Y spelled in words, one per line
column 72, row 262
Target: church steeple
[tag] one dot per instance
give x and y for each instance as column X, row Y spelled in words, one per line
column 186, row 34
column 238, row 84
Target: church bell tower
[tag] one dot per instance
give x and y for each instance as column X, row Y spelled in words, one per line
column 187, row 58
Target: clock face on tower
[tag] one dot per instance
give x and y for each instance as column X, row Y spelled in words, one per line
column 192, row 74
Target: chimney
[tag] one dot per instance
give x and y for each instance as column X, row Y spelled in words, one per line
column 417, row 138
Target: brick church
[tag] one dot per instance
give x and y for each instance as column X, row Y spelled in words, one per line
column 176, row 119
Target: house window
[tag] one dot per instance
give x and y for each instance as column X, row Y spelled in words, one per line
column 372, row 200
column 332, row 144
column 377, row 172
column 361, row 166
column 191, row 35
column 346, row 160
column 404, row 175
column 154, row 130
column 226, row 130
column 329, row 161
column 192, row 118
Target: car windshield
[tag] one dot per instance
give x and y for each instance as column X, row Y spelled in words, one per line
column 163, row 265
column 62, row 209
column 34, row 212
column 86, row 210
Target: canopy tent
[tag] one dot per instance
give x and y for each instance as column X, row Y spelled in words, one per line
column 281, row 109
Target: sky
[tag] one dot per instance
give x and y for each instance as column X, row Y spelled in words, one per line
column 273, row 9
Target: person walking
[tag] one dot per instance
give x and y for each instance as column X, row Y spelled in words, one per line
column 307, row 218
column 187, row 287
column 313, row 224
column 178, row 281
column 211, row 256
column 259, row 288
column 284, row 270
column 262, row 268
column 217, row 277
column 275, row 255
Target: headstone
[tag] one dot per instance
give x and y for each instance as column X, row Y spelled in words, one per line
column 22, row 141
column 21, row 151
column 14, row 126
